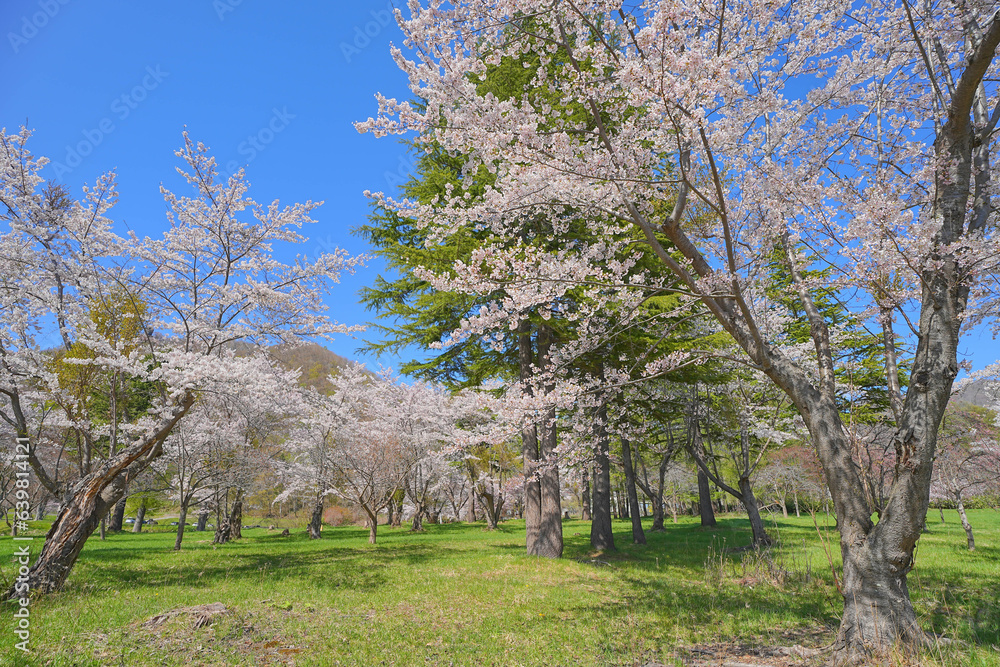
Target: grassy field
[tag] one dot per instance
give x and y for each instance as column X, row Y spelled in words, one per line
column 460, row 595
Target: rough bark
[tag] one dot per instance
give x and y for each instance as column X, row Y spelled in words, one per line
column 638, row 537
column 236, row 517
column 705, row 507
column 585, row 500
column 202, row 521
column 117, row 520
column 315, row 527
column 529, row 448
column 89, row 500
column 601, row 535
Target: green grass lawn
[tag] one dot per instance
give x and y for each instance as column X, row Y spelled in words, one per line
column 460, row 595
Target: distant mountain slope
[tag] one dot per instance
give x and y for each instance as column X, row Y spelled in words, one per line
column 979, row 393
column 315, row 362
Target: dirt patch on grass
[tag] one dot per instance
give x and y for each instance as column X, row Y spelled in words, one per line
column 744, row 655
column 204, row 635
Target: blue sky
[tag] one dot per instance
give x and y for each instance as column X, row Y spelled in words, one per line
column 272, row 86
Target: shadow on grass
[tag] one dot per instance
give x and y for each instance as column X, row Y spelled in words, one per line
column 145, row 564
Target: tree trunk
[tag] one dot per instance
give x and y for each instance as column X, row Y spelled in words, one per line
column 372, row 526
column 397, row 515
column 92, row 498
column 236, row 517
column 117, row 516
column 585, row 511
column 877, row 609
column 181, row 525
column 418, row 520
column 601, row 535
column 202, row 521
column 140, row 516
column 658, row 515
column 529, row 446
column 941, row 510
column 965, row 522
column 638, row 537
column 760, row 536
column 40, row 508
column 549, row 543
column 470, row 515
column 316, row 521
column 796, row 496
column 705, row 501
column 491, row 510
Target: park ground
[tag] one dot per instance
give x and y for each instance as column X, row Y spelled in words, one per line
column 457, row 594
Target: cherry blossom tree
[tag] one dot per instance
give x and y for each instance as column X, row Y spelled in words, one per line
column 965, row 461
column 308, row 471
column 864, row 133
column 208, row 283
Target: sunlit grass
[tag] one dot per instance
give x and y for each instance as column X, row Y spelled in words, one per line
column 458, row 594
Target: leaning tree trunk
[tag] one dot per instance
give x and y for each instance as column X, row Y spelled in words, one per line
column 601, row 535
column 90, row 499
column 705, row 507
column 965, row 522
column 760, row 536
column 638, row 537
column 140, row 516
column 181, row 525
column 316, row 521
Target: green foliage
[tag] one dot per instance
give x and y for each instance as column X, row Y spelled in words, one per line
column 858, row 353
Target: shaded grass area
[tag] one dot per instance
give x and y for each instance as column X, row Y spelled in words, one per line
column 459, row 594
